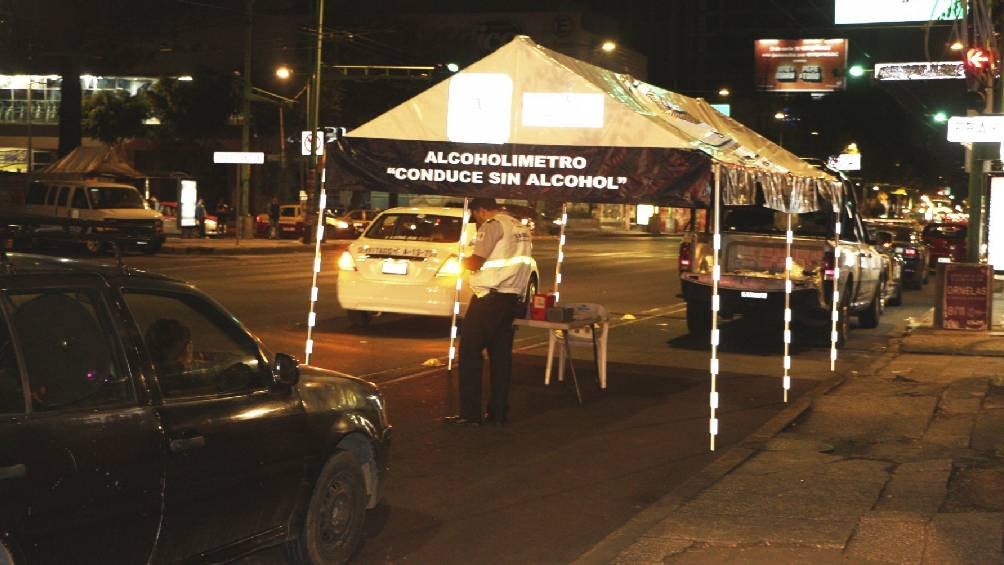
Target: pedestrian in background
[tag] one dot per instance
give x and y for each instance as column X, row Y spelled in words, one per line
column 500, row 272
column 222, row 216
column 273, row 218
column 200, row 217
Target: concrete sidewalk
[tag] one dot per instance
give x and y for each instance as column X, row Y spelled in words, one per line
column 902, row 463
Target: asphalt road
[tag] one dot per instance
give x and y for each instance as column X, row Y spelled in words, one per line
column 559, row 477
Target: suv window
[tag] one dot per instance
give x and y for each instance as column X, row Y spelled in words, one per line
column 36, row 194
column 79, row 199
column 758, row 219
column 196, row 350
column 415, row 227
column 64, row 192
column 50, row 199
column 11, row 391
column 69, row 348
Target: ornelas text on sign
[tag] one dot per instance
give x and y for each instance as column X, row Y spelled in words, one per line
column 975, row 129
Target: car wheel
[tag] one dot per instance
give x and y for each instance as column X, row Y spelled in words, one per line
column 359, row 318
column 333, row 524
column 870, row 317
column 531, row 289
column 699, row 319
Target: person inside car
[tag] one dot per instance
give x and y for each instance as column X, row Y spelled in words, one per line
column 170, row 345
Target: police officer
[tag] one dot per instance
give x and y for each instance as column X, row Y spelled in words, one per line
column 500, row 272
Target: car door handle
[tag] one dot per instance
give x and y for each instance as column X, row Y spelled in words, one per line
column 13, row 471
column 187, row 443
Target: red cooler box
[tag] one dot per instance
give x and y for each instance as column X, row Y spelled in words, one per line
column 539, row 305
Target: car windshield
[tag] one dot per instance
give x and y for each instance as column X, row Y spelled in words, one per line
column 899, row 233
column 114, row 197
column 415, row 227
column 757, row 219
column 946, row 231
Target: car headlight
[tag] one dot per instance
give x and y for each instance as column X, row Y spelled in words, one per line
column 342, row 225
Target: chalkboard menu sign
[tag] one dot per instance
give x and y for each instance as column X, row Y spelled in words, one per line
column 966, row 294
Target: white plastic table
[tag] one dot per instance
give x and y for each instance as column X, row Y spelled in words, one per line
column 591, row 322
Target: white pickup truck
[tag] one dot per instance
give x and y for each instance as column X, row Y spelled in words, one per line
column 752, row 261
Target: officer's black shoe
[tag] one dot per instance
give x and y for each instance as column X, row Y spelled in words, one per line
column 461, row 421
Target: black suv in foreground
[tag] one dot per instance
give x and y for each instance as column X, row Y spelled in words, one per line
column 141, row 422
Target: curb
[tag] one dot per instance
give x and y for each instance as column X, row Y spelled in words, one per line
column 608, row 549
column 238, row 250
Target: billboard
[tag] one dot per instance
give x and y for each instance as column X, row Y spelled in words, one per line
column 877, row 11
column 800, row 65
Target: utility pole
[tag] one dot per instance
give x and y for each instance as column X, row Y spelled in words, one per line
column 314, row 109
column 245, row 170
column 977, row 154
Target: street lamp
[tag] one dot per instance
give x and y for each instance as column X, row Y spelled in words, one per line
column 940, row 117
column 724, row 92
column 284, row 72
column 856, row 71
column 608, row 46
column 780, row 116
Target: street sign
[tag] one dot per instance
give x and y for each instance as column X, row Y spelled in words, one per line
column 976, row 128
column 305, row 139
column 966, row 295
column 239, row 157
column 846, row 162
column 926, row 70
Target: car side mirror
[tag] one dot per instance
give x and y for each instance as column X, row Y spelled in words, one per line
column 286, row 370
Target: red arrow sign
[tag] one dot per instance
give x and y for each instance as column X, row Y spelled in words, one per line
column 977, row 59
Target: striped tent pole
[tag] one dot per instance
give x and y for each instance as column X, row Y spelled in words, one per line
column 789, row 237
column 460, row 283
column 561, row 250
column 312, row 316
column 835, row 316
column 716, row 274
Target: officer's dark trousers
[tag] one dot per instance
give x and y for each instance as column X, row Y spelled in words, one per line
column 487, row 325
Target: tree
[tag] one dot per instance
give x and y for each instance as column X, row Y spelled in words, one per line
column 114, row 116
column 190, row 111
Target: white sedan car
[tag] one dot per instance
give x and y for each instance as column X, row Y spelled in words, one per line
column 407, row 263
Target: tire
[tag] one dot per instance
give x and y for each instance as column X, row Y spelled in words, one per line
column 333, row 523
column 150, row 248
column 871, row 316
column 359, row 318
column 531, row 289
column 699, row 319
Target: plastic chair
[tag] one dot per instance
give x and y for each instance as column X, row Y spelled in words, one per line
column 580, row 337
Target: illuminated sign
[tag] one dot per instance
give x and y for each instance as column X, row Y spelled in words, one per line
column 563, row 110
column 724, row 109
column 920, row 71
column 305, row 139
column 479, row 109
column 995, row 221
column 751, row 294
column 976, row 129
column 845, row 162
column 239, row 157
column 189, row 196
column 875, row 11
column 800, row 65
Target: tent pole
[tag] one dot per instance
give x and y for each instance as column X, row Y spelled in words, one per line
column 460, row 283
column 561, row 250
column 788, row 239
column 835, row 316
column 715, row 276
column 312, row 316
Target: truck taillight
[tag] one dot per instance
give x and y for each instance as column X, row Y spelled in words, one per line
column 829, row 265
column 685, row 256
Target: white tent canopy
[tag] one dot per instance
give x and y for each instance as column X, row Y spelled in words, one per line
column 524, row 100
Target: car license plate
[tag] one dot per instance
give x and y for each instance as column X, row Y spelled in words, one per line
column 899, row 250
column 392, row 267
column 944, row 259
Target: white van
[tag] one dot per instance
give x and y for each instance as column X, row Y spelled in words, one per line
column 120, row 208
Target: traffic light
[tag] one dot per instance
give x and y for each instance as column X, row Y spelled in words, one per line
column 979, row 64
